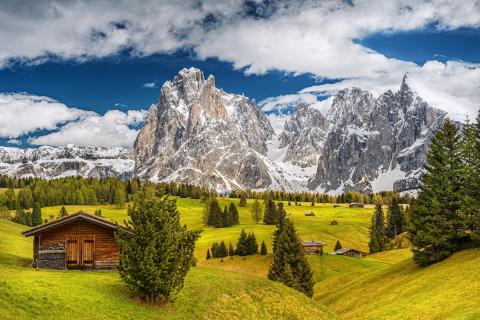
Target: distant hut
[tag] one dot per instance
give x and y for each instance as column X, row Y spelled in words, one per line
column 309, row 214
column 356, row 205
column 77, row 241
column 349, row 252
column 313, row 247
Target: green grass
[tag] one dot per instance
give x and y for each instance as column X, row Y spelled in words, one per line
column 386, row 285
column 26, row 293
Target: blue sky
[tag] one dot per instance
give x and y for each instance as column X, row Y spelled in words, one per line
column 79, row 70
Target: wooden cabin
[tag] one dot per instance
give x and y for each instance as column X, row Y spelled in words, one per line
column 313, row 247
column 77, row 241
column 356, row 205
column 309, row 214
column 349, row 252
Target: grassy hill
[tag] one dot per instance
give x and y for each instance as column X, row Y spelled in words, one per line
column 26, row 293
column 387, row 285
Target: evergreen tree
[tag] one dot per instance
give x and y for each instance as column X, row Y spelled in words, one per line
column 63, row 212
column 270, row 214
column 156, row 255
column 338, row 245
column 20, row 217
column 289, row 264
column 226, row 217
column 119, row 196
column 243, row 199
column 378, row 238
column 232, row 208
column 256, row 211
column 252, row 245
column 209, row 256
column 263, row 249
column 436, row 225
column 222, row 250
column 470, row 189
column 98, row 213
column 395, row 219
column 242, row 244
column 36, row 214
column 215, row 250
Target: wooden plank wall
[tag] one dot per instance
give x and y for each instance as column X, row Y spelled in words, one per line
column 106, row 249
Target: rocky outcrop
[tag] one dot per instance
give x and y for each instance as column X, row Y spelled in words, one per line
column 56, row 162
column 303, row 135
column 376, row 144
column 199, row 134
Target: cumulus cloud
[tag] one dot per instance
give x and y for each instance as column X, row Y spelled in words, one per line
column 317, row 37
column 150, row 85
column 113, row 129
column 24, row 113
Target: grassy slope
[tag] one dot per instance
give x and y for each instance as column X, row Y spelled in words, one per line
column 26, row 293
column 447, row 290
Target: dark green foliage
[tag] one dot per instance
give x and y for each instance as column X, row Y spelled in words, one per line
column 289, row 203
column 156, row 256
column 270, row 214
column 98, row 213
column 222, row 250
column 234, row 217
column 256, row 211
column 246, row 244
column 215, row 217
column 63, row 212
column 436, row 225
column 470, row 189
column 215, row 250
column 209, row 256
column 338, row 246
column 263, row 249
column 252, row 245
column 289, row 264
column 243, row 199
column 22, row 217
column 378, row 237
column 313, row 204
column 36, row 214
column 395, row 219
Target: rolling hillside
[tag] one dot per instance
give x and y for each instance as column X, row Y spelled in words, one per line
column 26, row 293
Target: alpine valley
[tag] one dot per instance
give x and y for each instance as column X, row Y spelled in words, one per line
column 199, row 134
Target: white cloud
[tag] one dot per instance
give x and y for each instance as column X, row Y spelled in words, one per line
column 109, row 130
column 14, row 142
column 149, row 85
column 24, row 113
column 317, row 37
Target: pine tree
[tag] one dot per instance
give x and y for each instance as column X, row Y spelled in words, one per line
column 98, row 213
column 63, row 212
column 395, row 219
column 378, row 238
column 338, row 245
column 289, row 264
column 209, row 256
column 242, row 244
column 252, row 245
column 256, row 211
column 436, row 225
column 470, row 189
column 270, row 215
column 156, row 255
column 226, row 217
column 36, row 214
column 263, row 249
column 215, row 250
column 243, row 199
column 232, row 208
column 222, row 250
column 119, row 196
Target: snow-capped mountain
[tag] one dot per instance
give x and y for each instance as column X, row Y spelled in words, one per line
column 56, row 162
column 199, row 134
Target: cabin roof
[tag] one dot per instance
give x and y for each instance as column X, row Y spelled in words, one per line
column 313, row 243
column 343, row 250
column 70, row 218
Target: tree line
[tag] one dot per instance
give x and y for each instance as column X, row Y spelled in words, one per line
column 246, row 245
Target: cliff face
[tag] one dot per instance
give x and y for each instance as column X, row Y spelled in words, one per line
column 199, row 134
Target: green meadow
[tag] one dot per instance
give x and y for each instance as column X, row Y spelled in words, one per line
column 387, row 285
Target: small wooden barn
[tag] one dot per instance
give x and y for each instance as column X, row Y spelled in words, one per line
column 313, row 247
column 77, row 241
column 349, row 252
column 309, row 214
column 356, row 205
